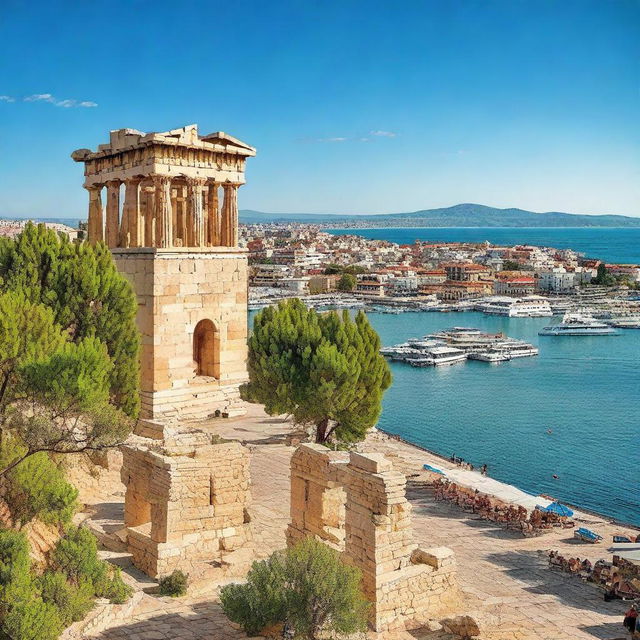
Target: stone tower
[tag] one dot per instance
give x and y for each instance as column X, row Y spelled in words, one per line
column 171, row 222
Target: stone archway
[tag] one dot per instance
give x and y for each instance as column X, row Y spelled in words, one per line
column 206, row 349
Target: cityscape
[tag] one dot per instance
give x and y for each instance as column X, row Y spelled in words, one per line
column 220, row 423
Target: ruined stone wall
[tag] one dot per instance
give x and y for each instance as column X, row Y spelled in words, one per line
column 176, row 289
column 406, row 585
column 185, row 506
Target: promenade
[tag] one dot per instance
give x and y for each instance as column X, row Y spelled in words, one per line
column 504, row 576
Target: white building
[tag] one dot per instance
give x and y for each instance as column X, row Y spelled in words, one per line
column 558, row 280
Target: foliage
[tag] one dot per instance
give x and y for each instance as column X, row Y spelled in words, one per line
column 54, row 394
column 88, row 298
column 347, row 282
column 174, row 585
column 36, row 487
column 33, row 620
column 23, row 614
column 603, row 277
column 323, row 369
column 76, row 556
column 307, row 587
column 353, row 269
column 511, row 265
column 72, row 602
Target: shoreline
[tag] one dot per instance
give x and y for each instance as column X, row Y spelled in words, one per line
column 577, row 508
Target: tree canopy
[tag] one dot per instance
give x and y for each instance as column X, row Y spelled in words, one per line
column 347, row 282
column 86, row 295
column 323, row 369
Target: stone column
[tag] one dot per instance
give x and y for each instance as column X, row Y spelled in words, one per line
column 195, row 217
column 113, row 213
column 213, row 215
column 229, row 227
column 131, row 231
column 95, row 231
column 163, row 216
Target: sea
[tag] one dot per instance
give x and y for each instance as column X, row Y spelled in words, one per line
column 586, row 390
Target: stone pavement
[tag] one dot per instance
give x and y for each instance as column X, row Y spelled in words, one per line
column 504, row 576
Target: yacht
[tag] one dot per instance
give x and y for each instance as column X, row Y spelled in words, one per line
column 527, row 307
column 578, row 324
column 437, row 356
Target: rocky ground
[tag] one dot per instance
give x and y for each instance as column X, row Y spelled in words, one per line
column 504, row 576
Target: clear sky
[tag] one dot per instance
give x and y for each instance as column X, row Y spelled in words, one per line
column 354, row 106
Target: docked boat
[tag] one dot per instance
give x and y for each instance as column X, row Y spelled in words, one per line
column 578, row 324
column 526, row 307
column 490, row 355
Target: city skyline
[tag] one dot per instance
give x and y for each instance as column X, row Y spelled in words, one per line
column 353, row 109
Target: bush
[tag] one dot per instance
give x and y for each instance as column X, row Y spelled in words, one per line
column 76, row 556
column 306, row 587
column 37, row 488
column 174, row 585
column 33, row 620
column 73, row 602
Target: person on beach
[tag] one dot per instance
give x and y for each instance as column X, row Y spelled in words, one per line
column 631, row 619
column 483, row 469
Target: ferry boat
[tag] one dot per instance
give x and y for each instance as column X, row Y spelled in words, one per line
column 578, row 324
column 437, row 356
column 526, row 307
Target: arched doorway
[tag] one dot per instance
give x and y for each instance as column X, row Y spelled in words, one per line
column 206, row 349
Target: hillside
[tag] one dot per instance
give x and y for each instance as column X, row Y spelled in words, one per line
column 460, row 215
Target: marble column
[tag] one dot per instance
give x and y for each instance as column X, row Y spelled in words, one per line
column 163, row 217
column 95, row 230
column 131, row 225
column 195, row 218
column 113, row 213
column 229, row 227
column 213, row 215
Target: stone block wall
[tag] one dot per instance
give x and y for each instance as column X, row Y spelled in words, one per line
column 185, row 505
column 406, row 585
column 176, row 289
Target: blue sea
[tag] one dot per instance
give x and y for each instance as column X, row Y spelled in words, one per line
column 585, row 389
column 607, row 243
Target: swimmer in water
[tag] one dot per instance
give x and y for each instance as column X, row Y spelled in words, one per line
column 555, row 477
column 549, row 431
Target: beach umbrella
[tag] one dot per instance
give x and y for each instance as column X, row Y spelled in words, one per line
column 428, row 467
column 559, row 509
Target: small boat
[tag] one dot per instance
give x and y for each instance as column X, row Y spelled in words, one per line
column 586, row 535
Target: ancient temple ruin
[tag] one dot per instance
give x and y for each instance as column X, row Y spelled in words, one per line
column 171, row 221
column 186, row 505
column 356, row 503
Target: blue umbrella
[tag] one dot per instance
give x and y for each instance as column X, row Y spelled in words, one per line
column 560, row 509
column 428, row 467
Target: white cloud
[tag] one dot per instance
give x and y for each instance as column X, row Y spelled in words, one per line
column 65, row 104
column 383, row 134
column 7, row 99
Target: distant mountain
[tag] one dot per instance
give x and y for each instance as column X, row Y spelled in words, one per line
column 460, row 215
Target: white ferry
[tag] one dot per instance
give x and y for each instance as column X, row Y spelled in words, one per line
column 578, row 324
column 527, row 307
column 437, row 356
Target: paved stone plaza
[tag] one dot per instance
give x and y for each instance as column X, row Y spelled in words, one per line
column 504, row 577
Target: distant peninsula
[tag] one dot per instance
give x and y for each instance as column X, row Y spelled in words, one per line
column 460, row 215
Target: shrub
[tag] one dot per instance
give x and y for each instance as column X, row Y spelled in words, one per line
column 72, row 602
column 76, row 556
column 307, row 587
column 174, row 585
column 37, row 488
column 33, row 620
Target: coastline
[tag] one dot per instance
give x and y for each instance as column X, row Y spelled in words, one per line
column 608, row 520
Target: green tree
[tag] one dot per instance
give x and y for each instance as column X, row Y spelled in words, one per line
column 323, row 369
column 511, row 265
column 603, row 277
column 55, row 394
column 347, row 282
column 88, row 297
column 306, row 587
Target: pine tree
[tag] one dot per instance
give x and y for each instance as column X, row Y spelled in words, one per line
column 323, row 369
column 89, row 298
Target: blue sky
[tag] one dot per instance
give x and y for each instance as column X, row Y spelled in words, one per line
column 355, row 107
